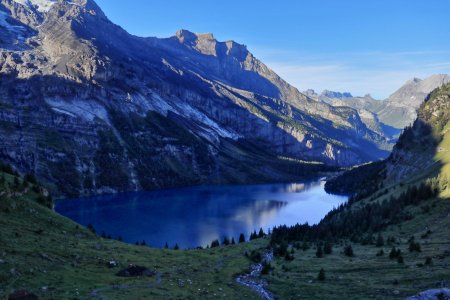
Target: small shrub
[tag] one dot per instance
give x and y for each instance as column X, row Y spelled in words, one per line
column 321, row 276
column 348, row 251
column 319, row 251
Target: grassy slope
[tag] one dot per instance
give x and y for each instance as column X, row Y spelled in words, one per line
column 366, row 275
column 69, row 262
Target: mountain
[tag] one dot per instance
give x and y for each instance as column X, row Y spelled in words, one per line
column 396, row 112
column 401, row 107
column 89, row 108
column 370, row 244
column 420, row 153
column 366, row 108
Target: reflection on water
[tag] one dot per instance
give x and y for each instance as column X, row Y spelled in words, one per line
column 195, row 216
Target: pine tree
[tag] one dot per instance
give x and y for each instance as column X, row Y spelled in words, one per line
column 380, row 241
column 393, row 253
column 232, row 241
column 261, row 233
column 226, row 241
column 241, row 238
column 321, row 275
column 328, row 248
column 319, row 252
column 166, row 246
column 348, row 251
column 215, row 244
column 176, row 247
column 305, row 246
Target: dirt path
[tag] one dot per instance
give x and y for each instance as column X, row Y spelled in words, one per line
column 253, row 279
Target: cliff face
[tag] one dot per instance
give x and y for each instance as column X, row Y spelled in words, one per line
column 92, row 109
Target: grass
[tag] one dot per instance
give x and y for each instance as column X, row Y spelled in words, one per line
column 55, row 258
column 366, row 275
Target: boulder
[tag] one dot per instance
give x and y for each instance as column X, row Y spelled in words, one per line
column 135, row 271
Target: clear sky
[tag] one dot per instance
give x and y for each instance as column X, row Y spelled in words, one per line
column 361, row 46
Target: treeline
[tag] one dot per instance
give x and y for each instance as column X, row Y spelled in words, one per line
column 347, row 221
column 361, row 181
column 20, row 184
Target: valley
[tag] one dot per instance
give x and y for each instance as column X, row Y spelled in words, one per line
column 184, row 167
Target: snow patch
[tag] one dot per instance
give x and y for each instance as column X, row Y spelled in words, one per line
column 40, row 5
column 86, row 110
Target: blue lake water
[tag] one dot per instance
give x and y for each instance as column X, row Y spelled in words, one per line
column 195, row 216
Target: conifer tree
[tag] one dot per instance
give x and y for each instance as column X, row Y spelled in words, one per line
column 241, row 238
column 319, row 252
column 321, row 275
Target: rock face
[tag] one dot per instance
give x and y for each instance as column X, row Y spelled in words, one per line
column 91, row 109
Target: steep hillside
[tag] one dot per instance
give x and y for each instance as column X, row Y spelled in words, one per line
column 51, row 257
column 78, row 92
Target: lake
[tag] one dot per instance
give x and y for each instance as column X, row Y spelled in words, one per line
column 195, row 216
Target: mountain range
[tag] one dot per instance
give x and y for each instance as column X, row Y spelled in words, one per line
column 90, row 108
column 391, row 115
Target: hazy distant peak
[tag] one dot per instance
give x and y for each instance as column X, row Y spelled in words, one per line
column 333, row 94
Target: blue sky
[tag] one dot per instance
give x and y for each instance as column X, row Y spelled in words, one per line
column 370, row 46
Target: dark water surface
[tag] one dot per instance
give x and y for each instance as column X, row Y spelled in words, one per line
column 195, row 216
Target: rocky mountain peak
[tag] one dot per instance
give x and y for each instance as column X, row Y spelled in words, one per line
column 207, row 44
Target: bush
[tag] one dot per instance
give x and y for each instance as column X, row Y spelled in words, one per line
column 348, row 251
column 319, row 251
column 255, row 256
column 380, row 241
column 413, row 246
column 289, row 257
column 328, row 248
column 266, row 268
column 321, row 275
column 215, row 244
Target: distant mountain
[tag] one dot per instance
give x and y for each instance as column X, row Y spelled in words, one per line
column 420, row 153
column 401, row 107
column 90, row 108
column 399, row 110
